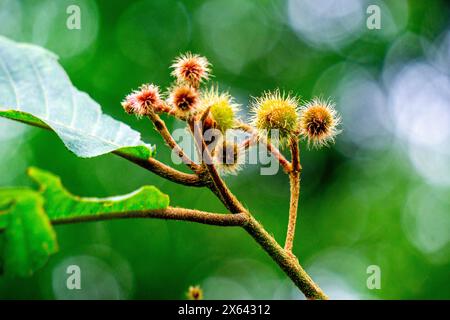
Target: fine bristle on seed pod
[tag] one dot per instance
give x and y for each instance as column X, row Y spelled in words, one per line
column 184, row 100
column 143, row 101
column 319, row 122
column 148, row 99
column 128, row 103
column 227, row 157
column 222, row 108
column 275, row 111
column 191, row 68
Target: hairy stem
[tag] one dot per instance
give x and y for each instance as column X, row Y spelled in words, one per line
column 227, row 198
column 165, row 134
column 165, row 171
column 287, row 262
column 295, row 154
column 270, row 147
column 170, row 213
column 294, row 180
column 279, row 156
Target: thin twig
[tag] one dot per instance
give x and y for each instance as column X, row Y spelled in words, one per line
column 270, row 147
column 295, row 154
column 294, row 180
column 165, row 134
column 247, row 143
column 228, row 199
column 279, row 156
column 166, row 171
column 169, row 213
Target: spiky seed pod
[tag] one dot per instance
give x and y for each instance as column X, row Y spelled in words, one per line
column 275, row 111
column 143, row 101
column 223, row 109
column 227, row 157
column 128, row 103
column 191, row 68
column 194, row 293
column 148, row 99
column 184, row 99
column 318, row 122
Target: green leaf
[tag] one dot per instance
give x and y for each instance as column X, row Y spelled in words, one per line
column 60, row 204
column 138, row 152
column 29, row 238
column 35, row 89
column 25, row 217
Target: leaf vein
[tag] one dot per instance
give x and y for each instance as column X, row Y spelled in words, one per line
column 10, row 78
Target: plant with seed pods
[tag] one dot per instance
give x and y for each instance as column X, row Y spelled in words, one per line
column 206, row 109
column 54, row 103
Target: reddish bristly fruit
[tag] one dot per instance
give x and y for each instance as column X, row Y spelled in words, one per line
column 184, row 100
column 148, row 99
column 129, row 103
column 144, row 101
column 191, row 68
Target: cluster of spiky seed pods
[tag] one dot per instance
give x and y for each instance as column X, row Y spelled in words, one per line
column 316, row 120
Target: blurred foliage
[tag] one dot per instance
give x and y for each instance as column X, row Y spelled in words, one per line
column 365, row 201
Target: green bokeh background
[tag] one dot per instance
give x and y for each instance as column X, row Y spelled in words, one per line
column 365, row 201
